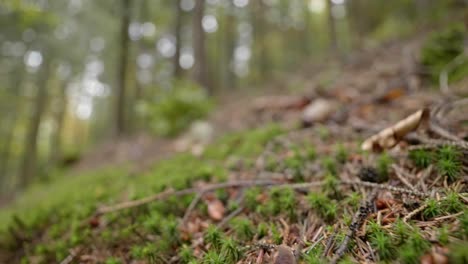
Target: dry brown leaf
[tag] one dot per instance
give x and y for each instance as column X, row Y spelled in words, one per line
column 216, row 209
column 390, row 136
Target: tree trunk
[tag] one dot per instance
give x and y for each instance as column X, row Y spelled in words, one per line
column 200, row 67
column 121, row 126
column 332, row 28
column 10, row 125
column 29, row 163
column 56, row 142
column 230, row 38
column 178, row 39
column 260, row 49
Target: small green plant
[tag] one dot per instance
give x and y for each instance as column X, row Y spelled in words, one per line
column 262, row 230
column 276, row 234
column 448, row 162
column 311, row 153
column 421, row 158
column 214, row 237
column 382, row 242
column 325, row 207
column 383, row 165
column 414, row 247
column 443, row 235
column 464, row 224
column 329, row 164
column 213, row 257
column 341, row 153
column 458, row 253
column 231, row 251
column 113, row 260
column 452, row 203
column 243, row 228
column 401, row 230
column 433, row 209
column 250, row 198
column 186, row 254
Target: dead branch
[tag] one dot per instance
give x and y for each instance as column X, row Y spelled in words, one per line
column 364, row 210
column 244, row 184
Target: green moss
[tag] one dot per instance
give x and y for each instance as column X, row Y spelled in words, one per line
column 452, row 203
column 276, row 235
column 243, row 228
column 325, row 207
column 421, row 158
column 231, row 251
column 341, row 154
column 383, row 165
column 329, row 164
column 113, row 260
column 433, row 209
column 214, row 237
column 262, row 230
column 213, row 257
column 186, row 254
column 441, row 48
column 458, row 253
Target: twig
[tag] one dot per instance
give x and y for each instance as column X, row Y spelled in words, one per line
column 414, row 212
column 399, row 173
column 192, row 206
column 166, row 194
column 237, row 184
column 329, row 244
column 364, row 210
column 230, row 216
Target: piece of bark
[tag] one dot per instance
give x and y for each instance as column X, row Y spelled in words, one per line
column 285, row 255
column 390, row 136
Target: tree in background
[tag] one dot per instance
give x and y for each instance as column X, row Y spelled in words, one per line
column 121, row 119
column 200, row 71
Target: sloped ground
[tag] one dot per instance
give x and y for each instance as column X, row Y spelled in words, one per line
column 300, row 190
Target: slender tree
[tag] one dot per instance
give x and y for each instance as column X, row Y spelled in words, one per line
column 200, row 68
column 29, row 163
column 121, row 127
column 332, row 27
column 178, row 38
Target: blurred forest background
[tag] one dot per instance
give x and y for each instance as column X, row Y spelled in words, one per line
column 79, row 72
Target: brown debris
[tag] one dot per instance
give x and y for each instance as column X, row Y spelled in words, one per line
column 390, row 136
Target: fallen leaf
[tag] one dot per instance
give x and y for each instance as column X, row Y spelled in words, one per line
column 390, row 136
column 216, row 209
column 318, row 111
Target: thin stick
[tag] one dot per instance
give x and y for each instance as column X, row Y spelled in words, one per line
column 164, row 195
column 192, row 206
column 237, row 184
column 414, row 212
column 399, row 173
column 364, row 210
column 230, row 216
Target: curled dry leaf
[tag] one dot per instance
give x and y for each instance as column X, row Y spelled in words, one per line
column 216, row 209
column 390, row 136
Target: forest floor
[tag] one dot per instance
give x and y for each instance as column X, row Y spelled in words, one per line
column 281, row 179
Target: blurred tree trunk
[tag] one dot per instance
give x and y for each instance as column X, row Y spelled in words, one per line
column 332, row 27
column 10, row 125
column 56, row 139
column 259, row 38
column 121, row 126
column 200, row 67
column 230, row 44
column 29, row 162
column 178, row 39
